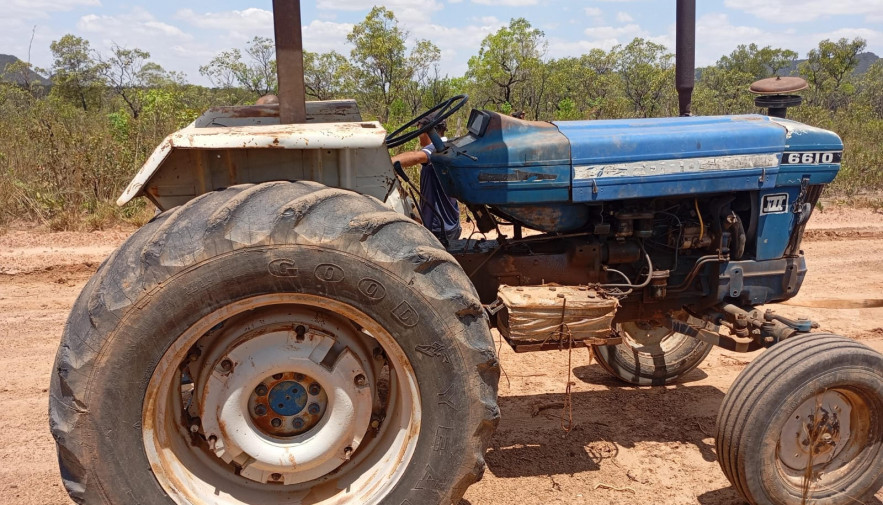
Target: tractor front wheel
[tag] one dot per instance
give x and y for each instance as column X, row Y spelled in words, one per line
column 803, row 423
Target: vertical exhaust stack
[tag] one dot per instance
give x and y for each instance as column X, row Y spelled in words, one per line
column 685, row 54
column 289, row 61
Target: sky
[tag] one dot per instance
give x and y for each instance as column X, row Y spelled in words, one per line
column 184, row 34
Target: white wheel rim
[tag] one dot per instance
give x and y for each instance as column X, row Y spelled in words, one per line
column 650, row 339
column 351, row 453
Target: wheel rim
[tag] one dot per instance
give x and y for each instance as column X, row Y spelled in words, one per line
column 822, row 444
column 277, row 397
column 647, row 338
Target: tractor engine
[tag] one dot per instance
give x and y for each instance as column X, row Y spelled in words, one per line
column 670, row 216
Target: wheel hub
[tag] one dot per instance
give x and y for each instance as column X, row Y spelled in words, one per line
column 287, row 406
column 816, row 432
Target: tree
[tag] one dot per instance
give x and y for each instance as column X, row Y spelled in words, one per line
column 383, row 69
column 222, row 70
column 506, row 61
column 647, row 74
column 326, row 75
column 758, row 63
column 257, row 74
column 828, row 70
column 723, row 88
column 871, row 88
column 24, row 75
column 260, row 75
column 129, row 72
column 77, row 76
column 583, row 87
column 427, row 86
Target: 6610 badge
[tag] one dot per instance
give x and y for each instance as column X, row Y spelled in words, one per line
column 812, row 158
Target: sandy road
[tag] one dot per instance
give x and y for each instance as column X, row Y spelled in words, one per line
column 628, row 445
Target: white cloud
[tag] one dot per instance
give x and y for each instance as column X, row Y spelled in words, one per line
column 602, row 37
column 717, row 36
column 135, row 25
column 874, row 38
column 31, row 9
column 593, row 11
column 619, row 33
column 792, row 12
column 393, row 5
column 506, row 3
column 139, row 28
column 405, row 10
column 486, row 20
column 254, row 20
column 458, row 44
column 324, row 36
column 623, row 17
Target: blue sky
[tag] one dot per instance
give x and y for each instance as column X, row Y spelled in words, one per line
column 182, row 35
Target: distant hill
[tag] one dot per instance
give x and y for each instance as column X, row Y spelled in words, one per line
column 6, row 59
column 865, row 60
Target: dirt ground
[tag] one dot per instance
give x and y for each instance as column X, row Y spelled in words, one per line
column 628, row 444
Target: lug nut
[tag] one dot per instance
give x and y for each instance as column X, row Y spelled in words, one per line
column 347, row 452
column 260, row 410
column 278, row 376
column 276, row 422
column 261, row 390
column 226, row 365
column 299, row 333
column 315, row 389
column 313, row 408
column 360, row 380
column 299, row 377
column 276, row 476
column 298, row 423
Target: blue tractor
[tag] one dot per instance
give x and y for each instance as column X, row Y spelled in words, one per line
column 285, row 332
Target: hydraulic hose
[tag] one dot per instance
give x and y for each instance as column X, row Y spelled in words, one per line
column 632, row 286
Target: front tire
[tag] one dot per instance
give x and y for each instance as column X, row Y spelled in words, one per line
column 803, row 423
column 275, row 343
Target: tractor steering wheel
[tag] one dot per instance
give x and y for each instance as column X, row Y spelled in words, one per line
column 442, row 111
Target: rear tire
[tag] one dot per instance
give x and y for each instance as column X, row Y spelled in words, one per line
column 803, row 423
column 650, row 355
column 163, row 380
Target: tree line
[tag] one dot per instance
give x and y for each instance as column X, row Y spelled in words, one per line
column 67, row 152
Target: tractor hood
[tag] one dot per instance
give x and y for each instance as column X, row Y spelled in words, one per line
column 506, row 161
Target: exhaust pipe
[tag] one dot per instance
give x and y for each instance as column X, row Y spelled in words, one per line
column 289, row 61
column 685, row 54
